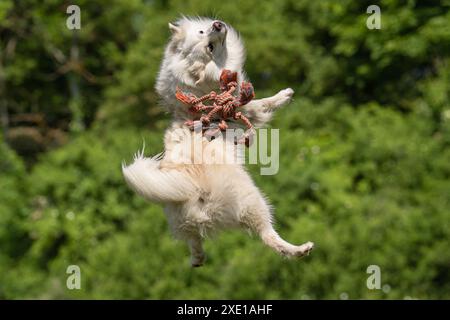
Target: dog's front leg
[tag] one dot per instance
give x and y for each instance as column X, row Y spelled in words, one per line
column 274, row 102
column 198, row 256
column 259, row 111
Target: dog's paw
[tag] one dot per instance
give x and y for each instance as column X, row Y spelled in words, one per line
column 283, row 97
column 286, row 95
column 200, row 80
column 198, row 261
column 304, row 249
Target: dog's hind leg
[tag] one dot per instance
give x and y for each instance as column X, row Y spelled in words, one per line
column 198, row 256
column 176, row 216
column 258, row 218
column 271, row 238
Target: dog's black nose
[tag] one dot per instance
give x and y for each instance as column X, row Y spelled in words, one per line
column 217, row 25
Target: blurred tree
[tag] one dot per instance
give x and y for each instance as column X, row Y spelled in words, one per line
column 364, row 168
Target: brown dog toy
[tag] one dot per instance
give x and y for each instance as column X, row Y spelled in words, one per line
column 224, row 103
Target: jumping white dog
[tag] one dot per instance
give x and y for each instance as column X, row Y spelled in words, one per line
column 201, row 197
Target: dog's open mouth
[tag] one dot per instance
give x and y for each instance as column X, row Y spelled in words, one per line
column 210, row 47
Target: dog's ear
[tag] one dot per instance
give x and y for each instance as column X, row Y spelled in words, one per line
column 177, row 36
column 174, row 28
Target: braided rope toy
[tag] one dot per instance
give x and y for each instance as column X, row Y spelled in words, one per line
column 224, row 103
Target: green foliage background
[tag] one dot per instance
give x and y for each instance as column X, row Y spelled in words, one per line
column 364, row 148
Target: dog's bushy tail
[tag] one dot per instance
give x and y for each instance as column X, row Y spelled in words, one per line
column 146, row 178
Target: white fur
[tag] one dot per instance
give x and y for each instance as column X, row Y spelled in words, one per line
column 202, row 198
column 145, row 173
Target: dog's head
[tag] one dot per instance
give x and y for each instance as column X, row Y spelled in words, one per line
column 198, row 50
column 195, row 34
column 206, row 40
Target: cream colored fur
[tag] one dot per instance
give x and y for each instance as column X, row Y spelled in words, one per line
column 206, row 189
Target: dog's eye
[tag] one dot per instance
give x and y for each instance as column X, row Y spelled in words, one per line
column 201, row 31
